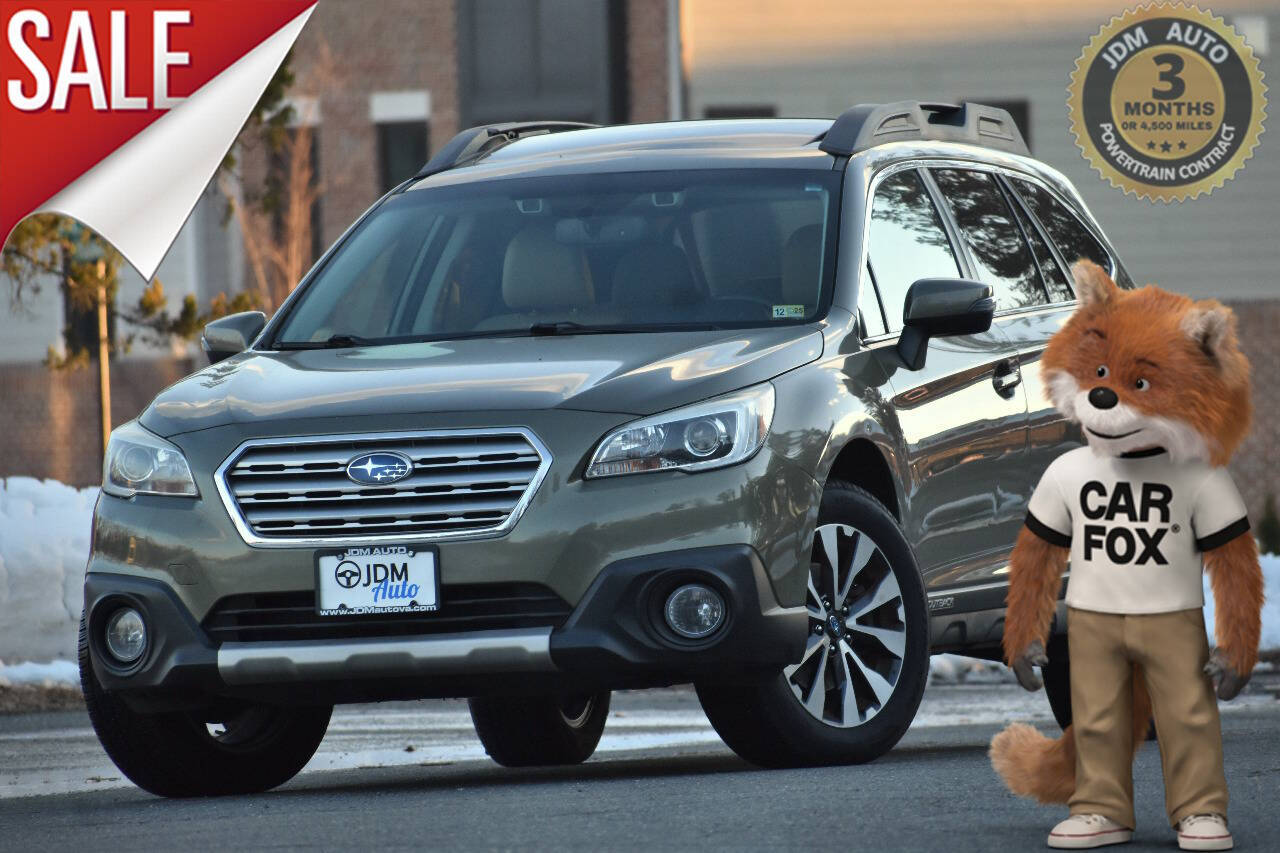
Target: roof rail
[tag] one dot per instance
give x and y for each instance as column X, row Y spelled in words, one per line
column 866, row 125
column 476, row 142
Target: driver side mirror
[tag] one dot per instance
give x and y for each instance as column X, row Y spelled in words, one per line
column 232, row 334
column 937, row 307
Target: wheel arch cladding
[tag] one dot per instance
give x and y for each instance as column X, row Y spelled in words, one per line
column 861, row 463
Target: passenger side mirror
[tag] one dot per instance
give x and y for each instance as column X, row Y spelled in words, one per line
column 229, row 335
column 937, row 307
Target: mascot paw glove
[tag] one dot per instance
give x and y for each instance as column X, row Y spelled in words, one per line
column 1023, row 666
column 1227, row 683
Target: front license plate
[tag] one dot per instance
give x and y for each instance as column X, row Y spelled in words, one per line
column 377, row 579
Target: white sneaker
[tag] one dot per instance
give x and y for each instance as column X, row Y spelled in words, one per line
column 1081, row 831
column 1204, row 832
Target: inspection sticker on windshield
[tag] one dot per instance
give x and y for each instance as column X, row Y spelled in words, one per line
column 788, row 312
column 377, row 579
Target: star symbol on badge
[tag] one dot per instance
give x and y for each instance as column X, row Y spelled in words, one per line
column 1151, row 146
column 1165, row 146
column 1182, row 146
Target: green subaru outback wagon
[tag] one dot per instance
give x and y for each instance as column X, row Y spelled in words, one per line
column 748, row 404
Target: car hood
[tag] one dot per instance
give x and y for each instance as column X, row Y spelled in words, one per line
column 637, row 374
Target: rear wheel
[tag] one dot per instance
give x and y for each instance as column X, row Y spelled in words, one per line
column 857, row 687
column 530, row 731
column 1057, row 681
column 237, row 750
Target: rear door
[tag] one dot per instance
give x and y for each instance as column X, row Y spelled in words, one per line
column 963, row 416
column 1059, row 238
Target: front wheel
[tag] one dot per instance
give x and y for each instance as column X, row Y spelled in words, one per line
column 531, row 731
column 237, row 750
column 856, row 689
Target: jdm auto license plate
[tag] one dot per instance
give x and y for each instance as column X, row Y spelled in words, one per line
column 377, row 579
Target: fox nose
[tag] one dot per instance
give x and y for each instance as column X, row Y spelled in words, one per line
column 1103, row 398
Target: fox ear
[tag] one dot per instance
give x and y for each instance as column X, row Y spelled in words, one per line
column 1212, row 327
column 1093, row 285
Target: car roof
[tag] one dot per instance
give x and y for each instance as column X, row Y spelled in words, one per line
column 721, row 143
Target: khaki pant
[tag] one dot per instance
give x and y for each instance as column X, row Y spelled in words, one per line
column 1171, row 649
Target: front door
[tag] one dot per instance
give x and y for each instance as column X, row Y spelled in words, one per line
column 963, row 416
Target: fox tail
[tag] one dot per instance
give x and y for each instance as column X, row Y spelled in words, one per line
column 1044, row 769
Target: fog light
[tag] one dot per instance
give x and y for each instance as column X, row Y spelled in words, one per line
column 694, row 611
column 126, row 635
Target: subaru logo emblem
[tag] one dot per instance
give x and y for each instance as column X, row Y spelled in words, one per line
column 379, row 469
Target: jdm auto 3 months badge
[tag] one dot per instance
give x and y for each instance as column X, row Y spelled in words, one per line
column 1167, row 102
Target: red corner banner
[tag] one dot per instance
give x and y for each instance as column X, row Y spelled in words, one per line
column 117, row 114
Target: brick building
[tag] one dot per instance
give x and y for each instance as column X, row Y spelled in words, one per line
column 394, row 81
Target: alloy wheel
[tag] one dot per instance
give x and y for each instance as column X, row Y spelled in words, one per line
column 857, row 632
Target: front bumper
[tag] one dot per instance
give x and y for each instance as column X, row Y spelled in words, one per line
column 614, row 638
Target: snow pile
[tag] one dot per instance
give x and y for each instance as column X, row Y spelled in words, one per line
column 44, row 544
column 956, row 669
column 43, row 674
column 1270, row 610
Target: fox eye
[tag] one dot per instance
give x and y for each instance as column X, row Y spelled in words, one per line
column 1142, row 385
column 1102, row 371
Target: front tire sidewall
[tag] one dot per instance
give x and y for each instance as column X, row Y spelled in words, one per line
column 168, row 754
column 775, row 730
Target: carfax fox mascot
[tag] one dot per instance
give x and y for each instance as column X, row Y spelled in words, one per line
column 1161, row 389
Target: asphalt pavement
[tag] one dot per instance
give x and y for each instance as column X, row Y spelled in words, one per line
column 412, row 776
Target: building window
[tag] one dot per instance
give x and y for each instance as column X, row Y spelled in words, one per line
column 740, row 111
column 401, row 119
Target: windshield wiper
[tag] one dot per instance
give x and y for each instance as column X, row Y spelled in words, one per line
column 340, row 341
column 559, row 327
column 569, row 327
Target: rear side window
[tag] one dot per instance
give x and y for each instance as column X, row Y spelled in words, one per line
column 1055, row 279
column 1067, row 232
column 907, row 241
column 999, row 251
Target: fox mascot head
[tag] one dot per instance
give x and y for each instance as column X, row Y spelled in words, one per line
column 1145, row 368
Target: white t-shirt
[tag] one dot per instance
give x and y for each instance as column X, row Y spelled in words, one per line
column 1136, row 526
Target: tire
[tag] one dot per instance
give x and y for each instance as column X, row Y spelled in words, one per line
column 1057, row 681
column 534, row 731
column 883, row 673
column 1057, row 684
column 178, row 754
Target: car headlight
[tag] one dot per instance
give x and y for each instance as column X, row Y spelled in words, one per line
column 713, row 434
column 141, row 463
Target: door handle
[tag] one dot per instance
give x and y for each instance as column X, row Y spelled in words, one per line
column 1007, row 377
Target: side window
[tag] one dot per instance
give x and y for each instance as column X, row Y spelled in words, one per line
column 1067, row 232
column 869, row 307
column 1001, row 254
column 1054, row 278
column 907, row 242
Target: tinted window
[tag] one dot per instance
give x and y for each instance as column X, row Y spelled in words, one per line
column 637, row 249
column 1054, row 278
column 907, row 241
column 1073, row 240
column 869, row 307
column 999, row 250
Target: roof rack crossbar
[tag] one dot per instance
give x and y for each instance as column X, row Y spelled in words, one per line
column 866, row 125
column 476, row 142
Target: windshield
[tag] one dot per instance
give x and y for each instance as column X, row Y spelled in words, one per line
column 571, row 254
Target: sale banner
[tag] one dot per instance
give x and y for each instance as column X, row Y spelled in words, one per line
column 117, row 114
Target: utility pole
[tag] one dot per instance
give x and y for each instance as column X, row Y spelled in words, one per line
column 104, row 349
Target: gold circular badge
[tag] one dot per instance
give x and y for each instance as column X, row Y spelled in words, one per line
column 1167, row 102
